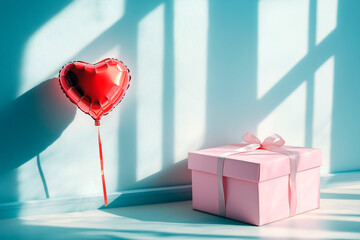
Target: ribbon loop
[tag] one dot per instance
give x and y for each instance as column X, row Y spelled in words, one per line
column 273, row 140
column 272, row 143
column 249, row 138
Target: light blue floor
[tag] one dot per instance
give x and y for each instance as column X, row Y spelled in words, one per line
column 338, row 218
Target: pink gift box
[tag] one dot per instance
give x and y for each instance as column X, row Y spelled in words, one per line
column 256, row 183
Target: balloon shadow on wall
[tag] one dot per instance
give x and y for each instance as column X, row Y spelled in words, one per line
column 29, row 125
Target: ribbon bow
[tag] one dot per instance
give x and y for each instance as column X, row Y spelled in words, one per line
column 272, row 143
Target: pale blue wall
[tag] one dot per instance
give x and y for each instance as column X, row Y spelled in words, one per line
column 204, row 72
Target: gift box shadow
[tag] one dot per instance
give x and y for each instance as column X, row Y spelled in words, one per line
column 176, row 212
column 339, row 196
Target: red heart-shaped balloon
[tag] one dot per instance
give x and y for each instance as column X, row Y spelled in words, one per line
column 95, row 88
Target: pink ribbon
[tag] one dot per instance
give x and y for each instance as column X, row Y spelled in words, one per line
column 272, row 143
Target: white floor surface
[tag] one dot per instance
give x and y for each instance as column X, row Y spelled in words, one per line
column 337, row 218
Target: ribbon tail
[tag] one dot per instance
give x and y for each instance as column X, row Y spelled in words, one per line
column 220, row 184
column 220, row 170
column 293, row 196
column 102, row 168
column 292, row 182
column 292, row 177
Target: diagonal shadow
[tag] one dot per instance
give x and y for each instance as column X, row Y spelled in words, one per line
column 303, row 70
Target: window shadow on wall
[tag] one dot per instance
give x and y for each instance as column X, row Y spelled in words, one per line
column 232, row 104
column 232, row 107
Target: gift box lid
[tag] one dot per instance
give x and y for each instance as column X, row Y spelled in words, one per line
column 255, row 166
